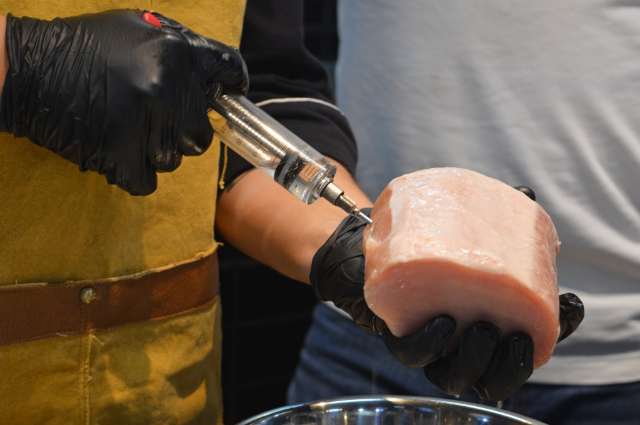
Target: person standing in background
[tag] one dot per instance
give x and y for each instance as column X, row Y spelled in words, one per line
column 539, row 92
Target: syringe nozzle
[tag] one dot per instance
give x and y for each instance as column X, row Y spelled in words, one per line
column 336, row 196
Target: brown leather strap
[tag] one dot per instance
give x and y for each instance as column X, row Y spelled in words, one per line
column 35, row 311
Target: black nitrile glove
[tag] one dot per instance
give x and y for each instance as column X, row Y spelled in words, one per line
column 124, row 93
column 492, row 364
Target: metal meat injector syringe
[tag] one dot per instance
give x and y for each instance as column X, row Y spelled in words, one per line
column 268, row 145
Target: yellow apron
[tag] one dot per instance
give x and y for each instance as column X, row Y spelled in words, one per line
column 58, row 225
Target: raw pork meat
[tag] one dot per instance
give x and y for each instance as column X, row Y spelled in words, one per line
column 453, row 241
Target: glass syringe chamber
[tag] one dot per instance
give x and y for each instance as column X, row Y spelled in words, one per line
column 268, row 145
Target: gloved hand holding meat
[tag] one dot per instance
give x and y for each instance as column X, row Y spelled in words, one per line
column 124, row 93
column 457, row 273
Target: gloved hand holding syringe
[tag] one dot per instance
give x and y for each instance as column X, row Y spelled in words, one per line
column 269, row 146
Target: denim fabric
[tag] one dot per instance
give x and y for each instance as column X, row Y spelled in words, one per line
column 339, row 359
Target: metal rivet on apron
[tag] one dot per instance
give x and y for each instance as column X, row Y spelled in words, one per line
column 88, row 295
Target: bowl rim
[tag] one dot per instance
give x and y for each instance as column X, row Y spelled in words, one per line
column 390, row 400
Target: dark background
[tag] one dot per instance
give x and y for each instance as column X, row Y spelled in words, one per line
column 266, row 315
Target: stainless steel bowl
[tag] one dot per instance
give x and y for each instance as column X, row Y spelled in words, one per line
column 388, row 410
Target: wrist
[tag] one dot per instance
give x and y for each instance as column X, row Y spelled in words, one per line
column 29, row 44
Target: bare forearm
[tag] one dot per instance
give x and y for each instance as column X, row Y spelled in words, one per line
column 264, row 221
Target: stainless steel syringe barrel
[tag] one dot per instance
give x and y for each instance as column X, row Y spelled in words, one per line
column 269, row 146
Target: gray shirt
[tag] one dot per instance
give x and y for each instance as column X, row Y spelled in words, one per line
column 544, row 93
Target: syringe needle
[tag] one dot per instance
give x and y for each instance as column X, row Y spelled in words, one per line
column 362, row 216
column 336, row 196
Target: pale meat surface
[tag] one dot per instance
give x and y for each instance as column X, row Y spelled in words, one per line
column 453, row 241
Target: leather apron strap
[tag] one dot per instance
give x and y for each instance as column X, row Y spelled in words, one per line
column 35, row 311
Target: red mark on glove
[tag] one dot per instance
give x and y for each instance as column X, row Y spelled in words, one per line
column 151, row 19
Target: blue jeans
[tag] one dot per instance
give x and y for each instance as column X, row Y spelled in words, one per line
column 338, row 359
